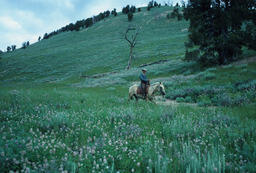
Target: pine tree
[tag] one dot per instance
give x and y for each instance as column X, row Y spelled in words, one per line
column 46, row 35
column 8, row 48
column 113, row 12
column 13, row 47
column 126, row 9
column 24, row 45
column 216, row 29
column 133, row 9
column 150, row 5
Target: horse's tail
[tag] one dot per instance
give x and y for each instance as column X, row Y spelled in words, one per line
column 132, row 91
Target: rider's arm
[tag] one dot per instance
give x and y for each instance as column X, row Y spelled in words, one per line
column 143, row 78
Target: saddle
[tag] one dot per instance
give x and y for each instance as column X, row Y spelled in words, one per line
column 140, row 90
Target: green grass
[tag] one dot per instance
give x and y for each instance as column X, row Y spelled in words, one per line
column 97, row 129
column 53, row 120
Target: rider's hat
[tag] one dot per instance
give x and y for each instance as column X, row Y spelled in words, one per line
column 144, row 69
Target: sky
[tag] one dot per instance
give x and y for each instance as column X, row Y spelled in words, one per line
column 26, row 20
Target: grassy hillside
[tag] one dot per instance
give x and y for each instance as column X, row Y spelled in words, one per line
column 53, row 120
column 100, row 48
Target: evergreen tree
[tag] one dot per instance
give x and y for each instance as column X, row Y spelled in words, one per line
column 216, row 29
column 133, row 9
column 46, row 36
column 150, row 5
column 13, row 47
column 250, row 35
column 126, row 9
column 175, row 13
column 113, row 12
column 24, row 45
column 8, row 48
column 107, row 13
column 39, row 38
column 88, row 22
column 101, row 16
column 71, row 27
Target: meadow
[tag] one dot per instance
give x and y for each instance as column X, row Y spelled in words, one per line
column 54, row 120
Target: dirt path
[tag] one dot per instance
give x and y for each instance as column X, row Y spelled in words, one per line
column 168, row 102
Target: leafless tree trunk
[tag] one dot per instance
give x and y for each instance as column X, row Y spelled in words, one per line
column 132, row 43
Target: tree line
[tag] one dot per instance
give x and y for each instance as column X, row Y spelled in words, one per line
column 85, row 23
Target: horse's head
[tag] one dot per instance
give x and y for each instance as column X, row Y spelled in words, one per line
column 161, row 88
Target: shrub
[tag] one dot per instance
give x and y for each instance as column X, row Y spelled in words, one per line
column 191, row 94
column 209, row 76
column 240, row 100
column 180, row 99
column 246, row 85
column 188, row 99
column 222, row 100
column 204, row 100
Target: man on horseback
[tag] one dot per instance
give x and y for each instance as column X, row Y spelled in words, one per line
column 144, row 83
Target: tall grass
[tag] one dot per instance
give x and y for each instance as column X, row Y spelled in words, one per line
column 98, row 133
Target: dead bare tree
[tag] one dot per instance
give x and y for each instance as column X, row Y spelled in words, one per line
column 132, row 42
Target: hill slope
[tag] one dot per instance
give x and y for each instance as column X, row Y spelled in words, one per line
column 100, row 48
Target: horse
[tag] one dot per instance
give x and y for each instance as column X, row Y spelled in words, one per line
column 153, row 89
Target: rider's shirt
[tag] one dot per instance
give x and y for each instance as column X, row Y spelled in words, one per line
column 143, row 78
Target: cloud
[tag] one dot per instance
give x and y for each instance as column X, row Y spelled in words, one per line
column 9, row 23
column 17, row 38
column 95, row 7
column 68, row 4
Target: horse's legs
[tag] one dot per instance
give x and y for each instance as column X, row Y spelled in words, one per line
column 135, row 97
column 152, row 100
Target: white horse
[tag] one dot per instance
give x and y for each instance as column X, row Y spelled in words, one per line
column 153, row 89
